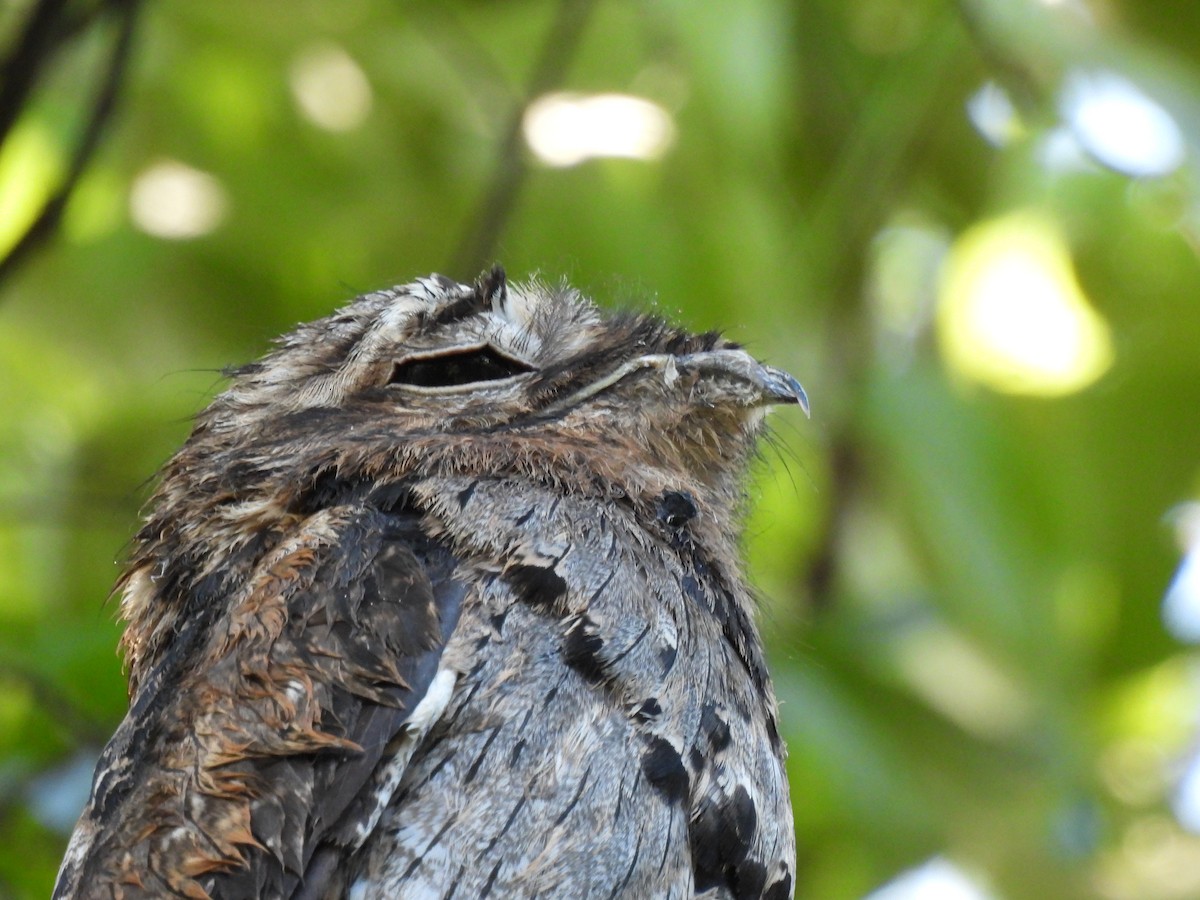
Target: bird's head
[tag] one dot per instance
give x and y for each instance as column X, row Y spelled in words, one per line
column 417, row 376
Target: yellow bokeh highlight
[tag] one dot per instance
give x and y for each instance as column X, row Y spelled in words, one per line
column 1011, row 314
column 30, row 167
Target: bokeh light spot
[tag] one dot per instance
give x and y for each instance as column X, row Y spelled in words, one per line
column 29, row 167
column 937, row 879
column 172, row 200
column 994, row 116
column 1181, row 605
column 566, row 129
column 1011, row 314
column 330, row 89
column 1120, row 126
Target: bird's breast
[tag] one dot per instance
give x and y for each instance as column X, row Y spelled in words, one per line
column 605, row 712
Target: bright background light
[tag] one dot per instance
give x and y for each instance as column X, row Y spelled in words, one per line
column 1181, row 605
column 29, row 166
column 172, row 200
column 1012, row 314
column 938, row 879
column 992, row 113
column 1120, row 125
column 330, row 89
column 566, row 129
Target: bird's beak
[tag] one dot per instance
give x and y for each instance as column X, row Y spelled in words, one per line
column 736, row 376
column 748, row 381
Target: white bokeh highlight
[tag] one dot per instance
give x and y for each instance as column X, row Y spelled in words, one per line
column 1181, row 605
column 937, row 879
column 329, row 88
column 1120, row 125
column 993, row 114
column 170, row 199
column 566, row 129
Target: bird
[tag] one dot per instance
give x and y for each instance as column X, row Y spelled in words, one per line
column 442, row 597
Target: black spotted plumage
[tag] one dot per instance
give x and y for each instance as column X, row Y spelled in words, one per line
column 442, row 598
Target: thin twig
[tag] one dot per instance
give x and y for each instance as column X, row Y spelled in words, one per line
column 46, row 221
column 485, row 227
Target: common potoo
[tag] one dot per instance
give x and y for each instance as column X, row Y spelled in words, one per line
column 441, row 598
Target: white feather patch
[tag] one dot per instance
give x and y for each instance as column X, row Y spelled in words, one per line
column 388, row 776
column 433, row 704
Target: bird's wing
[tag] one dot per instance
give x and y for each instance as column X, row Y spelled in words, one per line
column 270, row 736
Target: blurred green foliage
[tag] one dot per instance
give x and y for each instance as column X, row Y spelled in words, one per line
column 961, row 584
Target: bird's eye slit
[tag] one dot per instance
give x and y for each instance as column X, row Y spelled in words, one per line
column 457, row 368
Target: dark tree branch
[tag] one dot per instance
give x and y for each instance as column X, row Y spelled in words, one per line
column 32, row 50
column 485, row 226
column 35, row 41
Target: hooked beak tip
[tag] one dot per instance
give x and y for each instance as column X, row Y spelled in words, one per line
column 781, row 387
